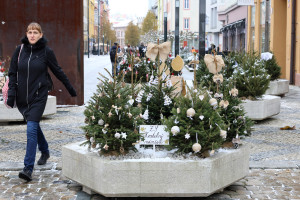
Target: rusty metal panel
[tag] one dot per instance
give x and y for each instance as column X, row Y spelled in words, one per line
column 62, row 24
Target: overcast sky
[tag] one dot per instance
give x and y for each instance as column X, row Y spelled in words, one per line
column 133, row 8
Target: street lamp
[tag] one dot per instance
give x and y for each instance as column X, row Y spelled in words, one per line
column 165, row 26
column 177, row 2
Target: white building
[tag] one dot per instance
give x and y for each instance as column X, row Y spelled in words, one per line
column 120, row 33
column 213, row 25
column 189, row 22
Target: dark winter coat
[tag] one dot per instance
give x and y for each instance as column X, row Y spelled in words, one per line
column 141, row 51
column 28, row 81
column 112, row 53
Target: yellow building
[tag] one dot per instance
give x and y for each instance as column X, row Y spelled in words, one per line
column 282, row 36
column 91, row 19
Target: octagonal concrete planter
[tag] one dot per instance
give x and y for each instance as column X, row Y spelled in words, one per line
column 263, row 108
column 278, row 87
column 160, row 177
column 11, row 115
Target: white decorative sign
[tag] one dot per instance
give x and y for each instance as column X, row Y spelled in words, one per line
column 246, row 2
column 154, row 135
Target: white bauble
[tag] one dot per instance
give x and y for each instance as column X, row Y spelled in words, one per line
column 101, row 122
column 223, row 134
column 175, row 130
column 196, row 147
column 190, row 112
column 117, row 135
column 213, row 102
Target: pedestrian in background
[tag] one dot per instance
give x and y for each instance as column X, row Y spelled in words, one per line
column 28, row 87
column 142, row 50
column 112, row 54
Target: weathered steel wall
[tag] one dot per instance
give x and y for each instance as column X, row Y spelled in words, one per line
column 62, row 24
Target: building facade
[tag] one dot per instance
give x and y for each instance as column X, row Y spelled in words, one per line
column 276, row 23
column 88, row 20
column 120, row 33
column 234, row 18
column 213, row 26
column 188, row 22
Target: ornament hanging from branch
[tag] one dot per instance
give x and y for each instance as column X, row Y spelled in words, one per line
column 214, row 63
column 177, row 63
column 162, row 49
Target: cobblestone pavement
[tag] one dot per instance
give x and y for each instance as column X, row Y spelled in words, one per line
column 274, row 162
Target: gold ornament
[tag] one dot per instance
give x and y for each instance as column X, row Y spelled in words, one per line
column 178, row 110
column 218, row 78
column 177, row 63
column 129, row 115
column 224, row 104
column 122, row 150
column 163, row 50
column 105, row 147
column 234, row 92
column 196, row 147
column 119, row 96
column 214, row 63
column 109, row 114
column 190, row 112
column 213, row 102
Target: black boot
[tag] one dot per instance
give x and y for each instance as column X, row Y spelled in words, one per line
column 25, row 174
column 43, row 159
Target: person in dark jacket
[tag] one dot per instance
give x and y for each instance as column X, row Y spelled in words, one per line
column 28, row 86
column 112, row 54
column 142, row 50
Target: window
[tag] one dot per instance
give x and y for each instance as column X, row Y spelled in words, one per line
column 186, row 23
column 213, row 23
column 186, row 4
column 213, row 1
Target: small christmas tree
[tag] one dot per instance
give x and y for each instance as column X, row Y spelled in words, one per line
column 252, row 79
column 112, row 121
column 271, row 65
column 195, row 125
column 225, row 91
column 156, row 99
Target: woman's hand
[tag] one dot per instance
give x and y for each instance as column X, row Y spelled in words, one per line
column 11, row 101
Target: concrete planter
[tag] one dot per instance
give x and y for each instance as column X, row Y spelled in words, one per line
column 11, row 115
column 278, row 87
column 263, row 108
column 154, row 177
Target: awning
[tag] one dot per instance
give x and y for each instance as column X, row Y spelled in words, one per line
column 234, row 25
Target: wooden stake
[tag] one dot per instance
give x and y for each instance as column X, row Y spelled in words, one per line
column 195, row 81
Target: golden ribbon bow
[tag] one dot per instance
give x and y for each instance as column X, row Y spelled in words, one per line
column 162, row 49
column 214, row 63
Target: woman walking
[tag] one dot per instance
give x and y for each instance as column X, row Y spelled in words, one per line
column 28, row 87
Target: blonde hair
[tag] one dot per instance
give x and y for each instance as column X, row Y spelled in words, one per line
column 34, row 26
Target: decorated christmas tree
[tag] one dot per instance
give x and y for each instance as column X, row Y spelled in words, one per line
column 196, row 125
column 157, row 95
column 252, row 79
column 156, row 99
column 112, row 120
